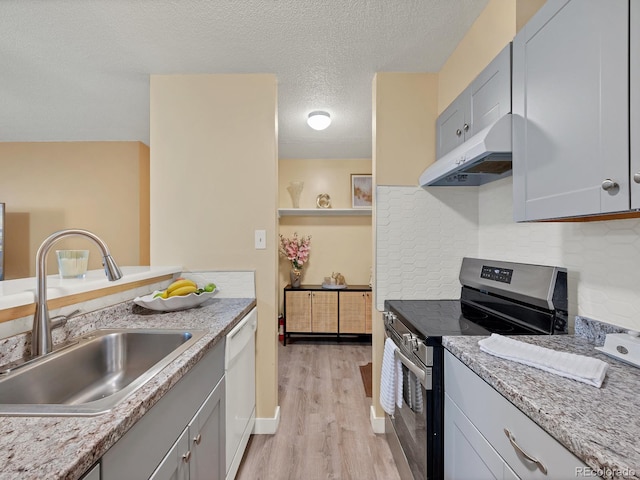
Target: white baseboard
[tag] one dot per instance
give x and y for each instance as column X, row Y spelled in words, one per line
column 377, row 423
column 268, row 426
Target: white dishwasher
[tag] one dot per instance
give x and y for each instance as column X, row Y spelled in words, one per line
column 240, row 373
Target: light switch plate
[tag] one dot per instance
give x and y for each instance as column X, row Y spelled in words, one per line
column 261, row 239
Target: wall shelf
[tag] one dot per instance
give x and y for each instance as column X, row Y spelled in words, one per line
column 282, row 212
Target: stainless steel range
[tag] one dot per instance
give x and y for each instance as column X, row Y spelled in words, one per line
column 496, row 297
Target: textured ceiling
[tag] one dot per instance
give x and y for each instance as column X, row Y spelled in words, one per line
column 76, row 70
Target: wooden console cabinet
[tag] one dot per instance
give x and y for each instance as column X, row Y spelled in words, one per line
column 311, row 310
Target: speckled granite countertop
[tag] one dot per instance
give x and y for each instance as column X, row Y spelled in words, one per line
column 65, row 447
column 601, row 426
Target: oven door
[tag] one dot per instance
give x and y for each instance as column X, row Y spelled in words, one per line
column 407, row 428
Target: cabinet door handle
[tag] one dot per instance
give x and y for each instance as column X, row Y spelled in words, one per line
column 197, row 439
column 186, row 457
column 466, row 127
column 636, row 177
column 519, row 449
column 458, row 132
column 610, row 186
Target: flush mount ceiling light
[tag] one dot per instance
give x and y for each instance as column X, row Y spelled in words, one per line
column 319, row 120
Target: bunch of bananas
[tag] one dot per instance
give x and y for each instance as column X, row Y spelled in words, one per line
column 183, row 286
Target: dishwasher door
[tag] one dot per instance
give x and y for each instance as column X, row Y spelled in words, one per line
column 240, row 377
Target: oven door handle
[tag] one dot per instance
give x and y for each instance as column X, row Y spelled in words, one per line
column 424, row 376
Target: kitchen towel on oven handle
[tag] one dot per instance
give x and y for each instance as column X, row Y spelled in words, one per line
column 570, row 365
column 390, row 379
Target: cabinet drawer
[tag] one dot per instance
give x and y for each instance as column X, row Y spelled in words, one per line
column 491, row 414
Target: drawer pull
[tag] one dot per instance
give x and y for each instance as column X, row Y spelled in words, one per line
column 186, row 457
column 197, row 439
column 518, row 449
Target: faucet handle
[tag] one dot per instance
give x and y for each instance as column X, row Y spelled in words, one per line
column 61, row 320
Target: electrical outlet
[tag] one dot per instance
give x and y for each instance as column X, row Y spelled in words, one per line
column 261, row 239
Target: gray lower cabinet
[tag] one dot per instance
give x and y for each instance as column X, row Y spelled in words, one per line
column 571, row 110
column 182, row 435
column 175, row 464
column 487, row 437
column 468, row 453
column 93, row 473
column 198, row 454
column 207, row 436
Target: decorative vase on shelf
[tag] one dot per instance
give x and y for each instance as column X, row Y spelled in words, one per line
column 295, row 189
column 295, row 277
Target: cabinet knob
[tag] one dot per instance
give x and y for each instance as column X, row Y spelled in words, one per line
column 636, row 177
column 197, row 439
column 186, row 457
column 458, row 132
column 466, row 127
column 610, row 186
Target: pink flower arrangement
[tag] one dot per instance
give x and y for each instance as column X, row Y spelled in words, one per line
column 295, row 249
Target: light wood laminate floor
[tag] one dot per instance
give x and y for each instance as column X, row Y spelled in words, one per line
column 324, row 430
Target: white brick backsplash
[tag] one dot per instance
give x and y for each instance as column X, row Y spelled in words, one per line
column 421, row 237
column 603, row 258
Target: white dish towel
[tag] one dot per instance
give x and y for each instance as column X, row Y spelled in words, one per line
column 390, row 379
column 577, row 367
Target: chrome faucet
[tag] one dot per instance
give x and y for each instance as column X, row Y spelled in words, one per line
column 41, row 341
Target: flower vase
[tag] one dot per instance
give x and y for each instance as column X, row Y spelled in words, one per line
column 295, row 277
column 295, row 189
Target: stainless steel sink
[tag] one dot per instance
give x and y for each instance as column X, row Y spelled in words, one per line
column 94, row 374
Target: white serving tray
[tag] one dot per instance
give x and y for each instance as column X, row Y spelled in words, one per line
column 622, row 346
column 173, row 304
column 333, row 287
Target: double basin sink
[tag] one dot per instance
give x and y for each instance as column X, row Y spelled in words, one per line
column 93, row 374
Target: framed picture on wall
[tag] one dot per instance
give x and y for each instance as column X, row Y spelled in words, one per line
column 361, row 190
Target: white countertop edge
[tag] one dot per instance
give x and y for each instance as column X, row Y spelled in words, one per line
column 15, row 293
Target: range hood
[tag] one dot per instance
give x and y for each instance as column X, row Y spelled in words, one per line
column 483, row 158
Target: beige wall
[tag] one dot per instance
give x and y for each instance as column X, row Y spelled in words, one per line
column 214, row 177
column 338, row 244
column 525, row 9
column 494, row 28
column 490, row 33
column 404, row 119
column 90, row 185
column 405, row 108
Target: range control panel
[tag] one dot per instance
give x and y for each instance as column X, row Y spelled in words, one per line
column 496, row 274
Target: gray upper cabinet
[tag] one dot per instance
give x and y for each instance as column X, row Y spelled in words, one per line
column 490, row 94
column 483, row 102
column 571, row 110
column 451, row 124
column 635, row 104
